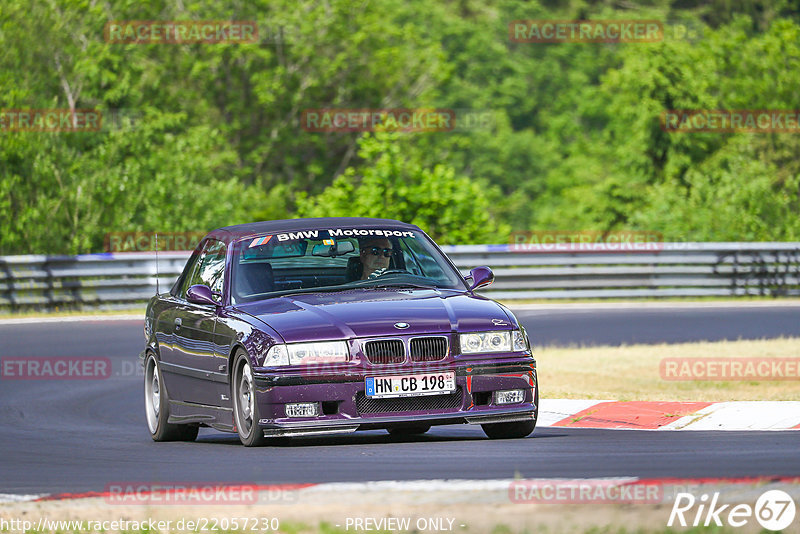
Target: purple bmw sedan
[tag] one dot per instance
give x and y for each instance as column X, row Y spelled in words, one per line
column 325, row 326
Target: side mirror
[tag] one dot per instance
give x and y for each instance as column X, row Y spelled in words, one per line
column 200, row 294
column 480, row 276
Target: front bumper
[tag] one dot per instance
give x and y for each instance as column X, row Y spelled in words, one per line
column 344, row 407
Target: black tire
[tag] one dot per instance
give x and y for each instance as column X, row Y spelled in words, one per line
column 516, row 429
column 513, row 430
column 408, row 430
column 243, row 392
column 156, row 407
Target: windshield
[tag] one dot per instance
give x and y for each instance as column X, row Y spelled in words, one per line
column 336, row 259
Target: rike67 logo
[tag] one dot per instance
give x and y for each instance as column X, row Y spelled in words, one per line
column 774, row 510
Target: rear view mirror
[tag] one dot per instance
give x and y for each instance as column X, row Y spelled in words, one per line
column 339, row 248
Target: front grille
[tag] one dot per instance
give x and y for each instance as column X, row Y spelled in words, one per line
column 409, row 404
column 428, row 349
column 385, row 351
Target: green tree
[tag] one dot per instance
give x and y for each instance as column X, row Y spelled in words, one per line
column 392, row 183
column 575, row 142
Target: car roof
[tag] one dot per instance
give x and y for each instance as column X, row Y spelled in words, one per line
column 239, row 231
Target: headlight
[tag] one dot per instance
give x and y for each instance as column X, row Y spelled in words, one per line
column 485, row 342
column 306, row 353
column 503, row 341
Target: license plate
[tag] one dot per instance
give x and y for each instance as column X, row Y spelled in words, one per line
column 410, row 385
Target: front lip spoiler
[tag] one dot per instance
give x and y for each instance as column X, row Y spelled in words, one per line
column 311, row 428
column 296, row 432
column 499, row 418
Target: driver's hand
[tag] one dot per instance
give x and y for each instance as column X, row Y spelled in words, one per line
column 376, row 273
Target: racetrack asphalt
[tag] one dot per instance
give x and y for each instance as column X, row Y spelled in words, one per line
column 81, row 435
column 672, row 323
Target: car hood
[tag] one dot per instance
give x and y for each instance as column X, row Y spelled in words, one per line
column 374, row 312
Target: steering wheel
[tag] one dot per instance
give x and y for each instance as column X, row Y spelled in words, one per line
column 377, row 273
column 393, row 271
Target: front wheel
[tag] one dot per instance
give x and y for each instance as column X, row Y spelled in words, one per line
column 509, row 430
column 245, row 407
column 156, row 408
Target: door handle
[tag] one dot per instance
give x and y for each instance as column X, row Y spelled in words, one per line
column 178, row 323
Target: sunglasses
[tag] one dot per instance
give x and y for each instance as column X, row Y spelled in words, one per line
column 387, row 252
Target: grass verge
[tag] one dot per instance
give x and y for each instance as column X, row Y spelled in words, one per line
column 632, row 372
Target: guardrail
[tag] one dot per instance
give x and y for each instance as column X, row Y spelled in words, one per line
column 122, row 280
column 658, row 270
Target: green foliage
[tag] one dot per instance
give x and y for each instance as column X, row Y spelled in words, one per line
column 211, row 135
column 392, row 183
column 732, row 196
column 694, row 186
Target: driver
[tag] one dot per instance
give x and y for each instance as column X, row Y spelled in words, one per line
column 375, row 254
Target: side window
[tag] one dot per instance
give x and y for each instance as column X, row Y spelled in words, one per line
column 210, row 268
column 180, row 287
column 419, row 261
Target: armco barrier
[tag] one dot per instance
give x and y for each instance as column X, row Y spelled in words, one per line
column 670, row 270
column 667, row 270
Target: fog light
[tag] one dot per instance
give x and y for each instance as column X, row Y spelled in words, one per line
column 510, row 396
column 302, row 409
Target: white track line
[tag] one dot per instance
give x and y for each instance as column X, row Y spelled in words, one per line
column 588, row 306
column 445, row 491
column 73, row 319
column 10, row 497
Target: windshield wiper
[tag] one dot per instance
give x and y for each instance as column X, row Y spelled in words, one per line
column 304, row 290
column 407, row 285
column 333, row 289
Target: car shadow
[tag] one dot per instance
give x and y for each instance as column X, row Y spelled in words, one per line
column 330, row 441
column 368, row 437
